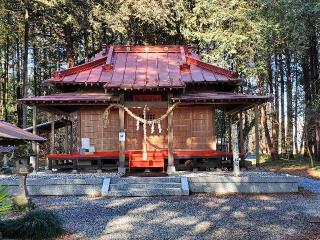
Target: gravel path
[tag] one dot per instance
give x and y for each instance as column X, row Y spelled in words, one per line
column 310, row 184
column 203, row 216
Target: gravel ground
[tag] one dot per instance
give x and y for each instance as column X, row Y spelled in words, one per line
column 202, row 216
column 310, row 184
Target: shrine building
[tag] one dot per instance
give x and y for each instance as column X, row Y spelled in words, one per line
column 138, row 107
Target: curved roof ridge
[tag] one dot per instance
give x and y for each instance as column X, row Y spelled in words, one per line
column 80, row 68
column 211, row 67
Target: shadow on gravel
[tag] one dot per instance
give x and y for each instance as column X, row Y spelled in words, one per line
column 201, row 216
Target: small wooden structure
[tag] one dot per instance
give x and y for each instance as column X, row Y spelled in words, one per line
column 161, row 100
column 10, row 135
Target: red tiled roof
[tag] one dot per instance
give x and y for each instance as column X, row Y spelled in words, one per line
column 75, row 97
column 222, row 97
column 9, row 132
column 138, row 67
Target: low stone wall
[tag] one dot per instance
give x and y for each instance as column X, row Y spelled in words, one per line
column 243, row 184
column 91, row 184
column 12, row 184
column 64, row 187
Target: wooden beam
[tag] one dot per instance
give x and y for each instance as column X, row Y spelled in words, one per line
column 35, row 145
column 51, row 109
column 122, row 146
column 66, row 139
column 229, row 135
column 52, row 137
column 135, row 104
column 256, row 111
column 171, row 167
column 241, row 133
column 214, row 129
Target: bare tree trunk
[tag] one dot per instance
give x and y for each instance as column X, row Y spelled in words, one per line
column 275, row 119
column 264, row 123
column 296, row 112
column 18, row 82
column 5, row 82
column 289, row 138
column 67, row 30
column 25, row 62
column 282, row 122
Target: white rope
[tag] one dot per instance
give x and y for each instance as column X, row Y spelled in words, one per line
column 136, row 117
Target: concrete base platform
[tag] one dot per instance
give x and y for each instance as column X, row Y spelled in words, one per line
column 247, row 182
column 92, row 183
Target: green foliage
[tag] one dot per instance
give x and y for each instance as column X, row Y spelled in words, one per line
column 228, row 32
column 36, row 224
column 265, row 158
column 5, row 203
column 6, row 171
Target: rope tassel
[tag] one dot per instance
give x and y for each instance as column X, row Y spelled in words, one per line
column 138, row 125
column 159, row 127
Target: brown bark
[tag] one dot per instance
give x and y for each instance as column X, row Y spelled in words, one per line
column 264, row 123
column 5, row 82
column 289, row 138
column 67, row 30
column 25, row 62
column 282, row 117
column 296, row 112
column 18, row 83
column 275, row 117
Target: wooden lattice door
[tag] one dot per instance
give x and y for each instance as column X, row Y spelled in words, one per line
column 134, row 137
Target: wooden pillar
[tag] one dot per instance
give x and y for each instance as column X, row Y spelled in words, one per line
column 241, row 133
column 256, row 111
column 71, row 143
column 52, row 137
column 229, row 136
column 235, row 148
column 170, row 168
column 35, row 145
column 66, row 139
column 122, row 146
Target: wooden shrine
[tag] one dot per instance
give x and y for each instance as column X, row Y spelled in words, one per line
column 143, row 106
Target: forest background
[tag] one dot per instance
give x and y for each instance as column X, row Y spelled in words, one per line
column 272, row 44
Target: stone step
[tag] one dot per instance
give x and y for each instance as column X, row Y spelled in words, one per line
column 145, row 192
column 145, row 186
column 135, row 180
column 139, row 186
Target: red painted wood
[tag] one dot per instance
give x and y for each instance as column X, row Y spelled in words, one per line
column 152, row 155
column 155, row 160
column 104, row 154
column 141, row 67
column 142, row 98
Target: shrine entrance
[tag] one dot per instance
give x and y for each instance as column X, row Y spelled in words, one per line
column 156, row 138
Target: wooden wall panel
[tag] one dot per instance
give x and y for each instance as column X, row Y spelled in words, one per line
column 194, row 128
column 102, row 136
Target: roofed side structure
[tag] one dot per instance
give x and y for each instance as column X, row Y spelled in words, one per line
column 10, row 133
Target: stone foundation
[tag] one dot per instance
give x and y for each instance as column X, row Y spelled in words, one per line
column 91, row 184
